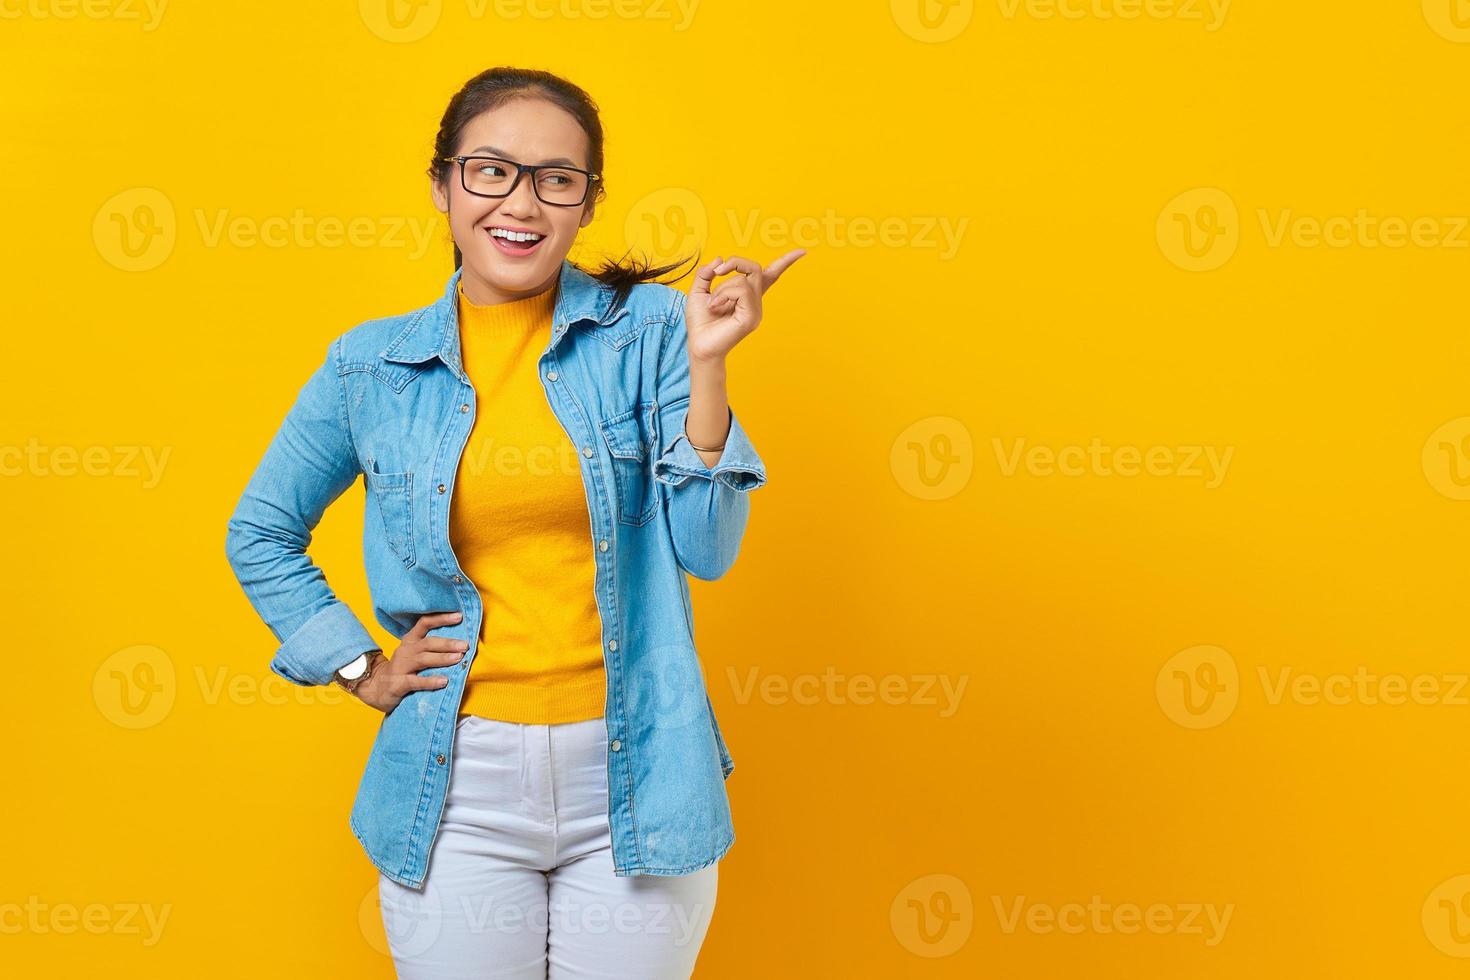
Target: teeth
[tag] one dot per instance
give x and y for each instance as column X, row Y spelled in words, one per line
column 516, row 236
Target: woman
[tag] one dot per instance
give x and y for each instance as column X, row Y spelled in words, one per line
column 547, row 452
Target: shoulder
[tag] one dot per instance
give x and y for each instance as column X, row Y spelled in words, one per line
column 656, row 302
column 366, row 342
column 371, row 337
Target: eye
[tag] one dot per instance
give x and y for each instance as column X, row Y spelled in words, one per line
column 491, row 170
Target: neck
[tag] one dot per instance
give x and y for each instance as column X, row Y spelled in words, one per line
column 482, row 292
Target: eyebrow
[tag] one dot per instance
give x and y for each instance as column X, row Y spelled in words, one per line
column 498, row 152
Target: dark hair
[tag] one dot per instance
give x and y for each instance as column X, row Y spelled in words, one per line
column 495, row 87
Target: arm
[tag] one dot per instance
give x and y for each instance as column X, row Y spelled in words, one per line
column 309, row 463
column 707, row 504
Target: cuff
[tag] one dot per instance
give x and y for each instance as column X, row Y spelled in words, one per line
column 326, row 642
column 739, row 466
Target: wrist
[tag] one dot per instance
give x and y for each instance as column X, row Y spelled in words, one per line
column 355, row 675
column 712, row 366
column 707, row 385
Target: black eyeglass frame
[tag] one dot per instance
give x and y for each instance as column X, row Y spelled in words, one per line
column 526, row 168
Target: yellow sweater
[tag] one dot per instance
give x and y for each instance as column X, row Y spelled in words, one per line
column 519, row 526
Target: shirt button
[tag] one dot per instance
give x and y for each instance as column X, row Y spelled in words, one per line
column 440, row 760
column 464, row 408
column 616, row 746
column 612, row 644
column 441, row 488
column 602, row 545
column 457, row 580
column 551, row 375
column 587, row 451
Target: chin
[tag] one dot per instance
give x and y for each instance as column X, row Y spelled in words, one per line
column 509, row 275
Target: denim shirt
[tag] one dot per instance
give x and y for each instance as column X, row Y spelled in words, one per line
column 392, row 402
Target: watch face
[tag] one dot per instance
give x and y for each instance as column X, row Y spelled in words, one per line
column 355, row 669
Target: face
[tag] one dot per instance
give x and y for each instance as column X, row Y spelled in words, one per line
column 530, row 131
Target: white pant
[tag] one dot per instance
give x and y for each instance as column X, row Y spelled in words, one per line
column 520, row 880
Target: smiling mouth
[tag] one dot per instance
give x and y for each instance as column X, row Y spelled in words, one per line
column 515, row 243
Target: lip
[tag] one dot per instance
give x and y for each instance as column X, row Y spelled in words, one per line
column 521, row 253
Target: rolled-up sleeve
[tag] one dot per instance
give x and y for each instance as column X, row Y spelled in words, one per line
column 707, row 507
column 309, row 463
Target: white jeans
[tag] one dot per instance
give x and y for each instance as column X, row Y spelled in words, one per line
column 520, row 880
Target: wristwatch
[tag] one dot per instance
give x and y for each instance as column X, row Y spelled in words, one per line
column 349, row 677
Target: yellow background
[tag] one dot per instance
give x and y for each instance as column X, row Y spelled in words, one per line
column 1121, row 731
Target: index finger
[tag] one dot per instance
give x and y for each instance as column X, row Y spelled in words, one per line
column 428, row 621
column 704, row 275
column 738, row 263
column 774, row 270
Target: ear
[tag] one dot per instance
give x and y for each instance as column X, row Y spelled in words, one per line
column 441, row 199
column 587, row 214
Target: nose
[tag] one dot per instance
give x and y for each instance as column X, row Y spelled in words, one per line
column 521, row 201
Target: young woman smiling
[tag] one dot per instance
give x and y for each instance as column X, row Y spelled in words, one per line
column 547, row 453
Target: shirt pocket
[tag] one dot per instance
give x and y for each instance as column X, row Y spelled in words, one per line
column 392, row 493
column 630, row 438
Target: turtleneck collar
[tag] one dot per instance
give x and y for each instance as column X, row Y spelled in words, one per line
column 515, row 316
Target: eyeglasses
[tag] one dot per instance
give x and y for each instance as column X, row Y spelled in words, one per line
column 554, row 184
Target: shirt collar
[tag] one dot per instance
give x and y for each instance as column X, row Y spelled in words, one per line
column 434, row 330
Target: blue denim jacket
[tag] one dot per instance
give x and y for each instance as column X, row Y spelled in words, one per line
column 392, row 402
